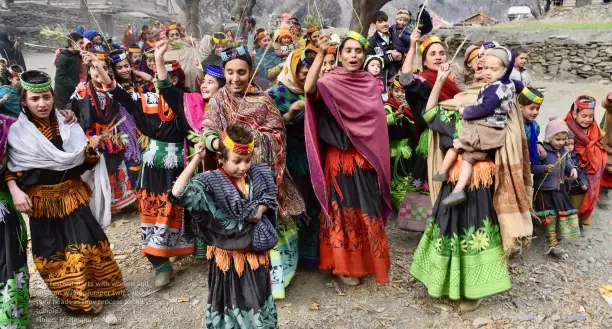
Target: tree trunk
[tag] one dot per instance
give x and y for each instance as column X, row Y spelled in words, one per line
column 86, row 21
column 548, row 5
column 243, row 9
column 193, row 18
column 365, row 9
column 536, row 9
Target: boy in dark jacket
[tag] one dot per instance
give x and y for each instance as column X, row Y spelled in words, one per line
column 381, row 44
column 67, row 70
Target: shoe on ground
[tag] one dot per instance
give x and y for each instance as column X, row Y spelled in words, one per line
column 162, row 279
column 440, row 177
column 349, row 281
column 454, row 199
column 469, row 305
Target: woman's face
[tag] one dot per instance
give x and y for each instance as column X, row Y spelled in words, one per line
column 237, row 74
column 352, row 55
column 302, row 72
column 436, row 56
column 124, row 70
column 174, row 34
column 473, row 64
column 95, row 76
column 265, row 42
column 39, row 104
column 479, row 70
column 151, row 63
column 329, row 63
column 209, row 87
column 584, row 118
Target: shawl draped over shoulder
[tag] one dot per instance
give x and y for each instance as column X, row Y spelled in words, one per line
column 257, row 111
column 354, row 101
column 29, row 149
column 592, row 157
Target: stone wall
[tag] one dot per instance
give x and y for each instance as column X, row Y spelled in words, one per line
column 579, row 55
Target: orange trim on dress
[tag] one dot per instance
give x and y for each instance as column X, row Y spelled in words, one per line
column 343, row 162
column 224, row 258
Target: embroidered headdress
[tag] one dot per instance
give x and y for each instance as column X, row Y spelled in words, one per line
column 584, row 102
column 37, row 87
column 219, row 38
column 116, row 58
column 237, row 52
column 532, row 97
column 359, row 38
column 215, row 71
column 428, row 42
column 243, row 149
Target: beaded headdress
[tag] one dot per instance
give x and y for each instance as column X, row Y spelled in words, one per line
column 233, row 53
column 26, row 77
column 174, row 66
column 215, row 71
column 174, row 26
column 219, row 38
column 428, row 42
column 584, row 102
column 487, row 45
column 15, row 70
column 359, row 38
column 243, row 149
column 134, row 49
column 118, row 57
column 532, row 97
column 101, row 56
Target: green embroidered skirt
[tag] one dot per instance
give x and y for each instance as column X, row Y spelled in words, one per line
column 460, row 254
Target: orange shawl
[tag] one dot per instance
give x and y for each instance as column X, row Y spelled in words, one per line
column 591, row 157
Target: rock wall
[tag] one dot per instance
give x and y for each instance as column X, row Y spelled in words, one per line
column 579, row 55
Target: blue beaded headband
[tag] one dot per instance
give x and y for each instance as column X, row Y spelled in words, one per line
column 233, row 53
column 215, row 71
column 118, row 58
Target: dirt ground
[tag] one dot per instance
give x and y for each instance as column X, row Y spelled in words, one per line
column 546, row 293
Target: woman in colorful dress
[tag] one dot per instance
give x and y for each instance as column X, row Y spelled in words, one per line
column 236, row 103
column 46, row 160
column 288, row 94
column 461, row 253
column 14, row 278
column 349, row 161
column 163, row 234
column 416, row 207
column 229, row 207
column 269, row 63
column 97, row 112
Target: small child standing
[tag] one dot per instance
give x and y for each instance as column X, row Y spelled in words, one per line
column 483, row 128
column 233, row 212
column 374, row 65
column 530, row 101
column 574, row 187
column 552, row 204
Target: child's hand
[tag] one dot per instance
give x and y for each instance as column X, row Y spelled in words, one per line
column 260, row 211
column 397, row 56
column 549, row 168
column 585, row 187
column 200, row 150
column 542, row 152
column 574, row 174
column 94, row 142
column 323, row 43
column 461, row 110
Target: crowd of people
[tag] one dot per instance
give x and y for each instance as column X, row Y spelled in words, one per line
column 257, row 150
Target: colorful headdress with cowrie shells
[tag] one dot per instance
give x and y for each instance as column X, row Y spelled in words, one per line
column 243, row 149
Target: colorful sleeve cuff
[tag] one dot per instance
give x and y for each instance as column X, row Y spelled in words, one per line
column 209, row 141
column 110, row 86
column 163, row 84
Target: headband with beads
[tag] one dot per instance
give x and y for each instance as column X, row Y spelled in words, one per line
column 532, row 97
column 243, row 149
column 215, row 71
column 428, row 42
column 359, row 38
column 35, row 87
column 584, row 102
column 174, row 66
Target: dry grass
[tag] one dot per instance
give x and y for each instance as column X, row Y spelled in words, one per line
column 551, row 24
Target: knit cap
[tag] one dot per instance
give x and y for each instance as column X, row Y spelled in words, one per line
column 555, row 126
column 371, row 58
column 502, row 54
column 403, row 13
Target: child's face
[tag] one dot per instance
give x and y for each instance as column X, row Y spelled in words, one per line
column 493, row 69
column 286, row 41
column 530, row 112
column 209, row 87
column 398, row 94
column 374, row 68
column 558, row 141
column 401, row 22
column 135, row 58
column 151, row 63
column 236, row 165
column 584, row 118
column 329, row 63
column 569, row 145
column 95, row 76
column 16, row 81
column 521, row 60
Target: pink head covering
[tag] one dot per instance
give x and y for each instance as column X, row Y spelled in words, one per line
column 555, row 126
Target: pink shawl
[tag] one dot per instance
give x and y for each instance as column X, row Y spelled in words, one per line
column 354, row 101
column 194, row 110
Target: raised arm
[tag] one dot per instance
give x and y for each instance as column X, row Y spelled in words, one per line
column 310, row 86
column 187, row 173
column 443, row 74
column 161, row 47
column 406, row 71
